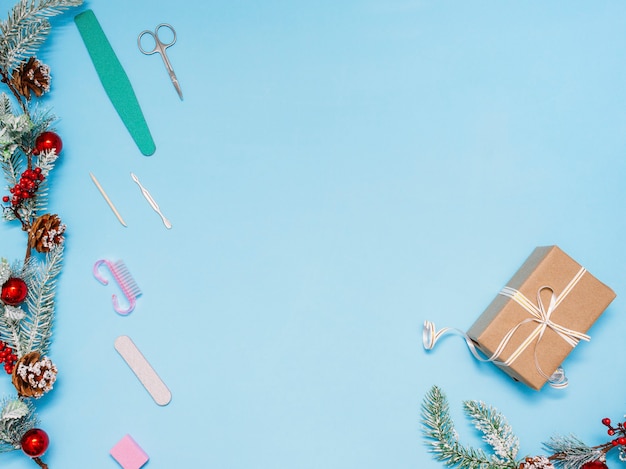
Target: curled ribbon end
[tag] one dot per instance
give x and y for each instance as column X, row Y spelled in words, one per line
column 428, row 335
column 558, row 379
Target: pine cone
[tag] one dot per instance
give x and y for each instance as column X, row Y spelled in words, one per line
column 538, row 462
column 33, row 376
column 46, row 233
column 31, row 76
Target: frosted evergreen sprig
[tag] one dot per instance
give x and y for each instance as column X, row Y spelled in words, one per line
column 5, row 270
column 569, row 452
column 36, row 327
column 438, row 427
column 13, row 129
column 26, row 29
column 16, row 418
column 10, row 316
column 496, row 431
column 9, row 328
column 565, row 452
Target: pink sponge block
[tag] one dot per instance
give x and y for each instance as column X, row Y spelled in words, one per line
column 129, row 454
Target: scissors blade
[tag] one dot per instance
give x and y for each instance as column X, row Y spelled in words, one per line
column 170, row 72
column 176, row 85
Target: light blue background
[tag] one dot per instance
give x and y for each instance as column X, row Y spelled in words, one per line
column 337, row 173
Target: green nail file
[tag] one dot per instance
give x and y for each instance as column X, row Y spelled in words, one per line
column 115, row 81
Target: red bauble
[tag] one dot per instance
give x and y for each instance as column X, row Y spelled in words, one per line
column 594, row 465
column 35, row 442
column 14, row 291
column 48, row 141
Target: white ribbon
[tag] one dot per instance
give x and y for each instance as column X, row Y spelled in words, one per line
column 539, row 314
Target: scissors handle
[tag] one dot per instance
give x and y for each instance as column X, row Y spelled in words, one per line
column 159, row 45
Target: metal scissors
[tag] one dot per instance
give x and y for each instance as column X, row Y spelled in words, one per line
column 160, row 46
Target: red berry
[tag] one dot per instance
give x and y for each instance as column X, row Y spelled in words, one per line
column 5, row 198
column 610, row 432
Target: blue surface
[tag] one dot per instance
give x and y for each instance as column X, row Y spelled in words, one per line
column 337, row 173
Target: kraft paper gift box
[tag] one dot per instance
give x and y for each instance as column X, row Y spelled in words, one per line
column 533, row 324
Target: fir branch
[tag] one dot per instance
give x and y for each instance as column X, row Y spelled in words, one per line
column 438, row 424
column 27, row 28
column 25, row 9
column 41, row 120
column 497, row 433
column 9, row 319
column 439, row 427
column 36, row 327
column 12, row 166
column 20, row 42
column 12, row 429
column 5, row 105
column 16, row 131
column 569, row 452
column 10, row 331
column 5, row 270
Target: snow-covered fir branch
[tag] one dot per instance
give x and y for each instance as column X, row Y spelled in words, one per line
column 26, row 28
column 571, row 453
column 16, row 417
column 496, row 431
column 438, row 427
column 36, row 327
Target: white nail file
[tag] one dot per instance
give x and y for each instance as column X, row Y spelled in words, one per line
column 143, row 370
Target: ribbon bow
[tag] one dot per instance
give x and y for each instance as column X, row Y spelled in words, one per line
column 539, row 314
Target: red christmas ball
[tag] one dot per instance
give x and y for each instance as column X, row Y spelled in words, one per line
column 48, row 141
column 14, row 291
column 594, row 465
column 35, row 442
